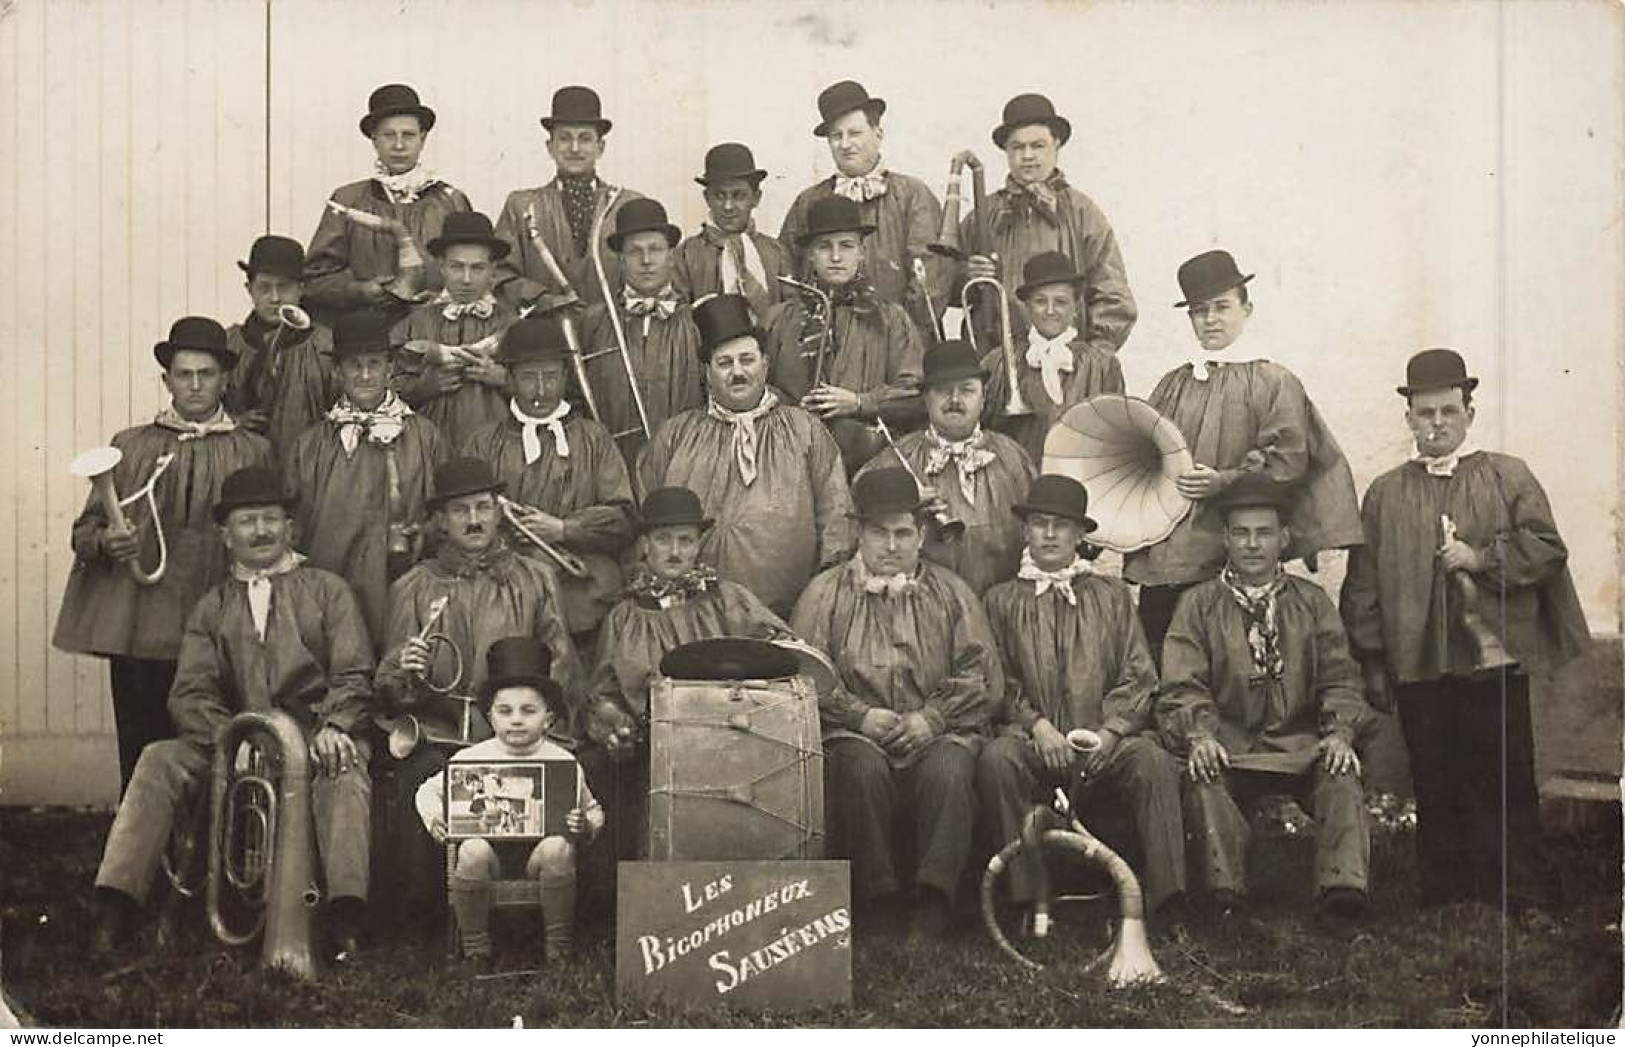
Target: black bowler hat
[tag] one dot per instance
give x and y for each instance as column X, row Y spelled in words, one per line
column 642, row 215
column 730, row 160
column 729, row 658
column 577, row 105
column 394, row 100
column 833, row 214
column 277, row 256
column 1051, row 267
column 881, row 492
column 361, row 331
column 250, row 488
column 468, row 227
column 1031, row 109
column 952, row 361
column 838, row 99
column 462, row 476
column 534, row 339
column 1256, row 491
column 721, row 317
column 1059, row 496
column 1436, row 369
column 1209, row 275
column 519, row 661
column 198, row 333
column 671, row 507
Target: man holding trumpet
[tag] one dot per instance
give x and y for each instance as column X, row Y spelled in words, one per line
column 132, row 587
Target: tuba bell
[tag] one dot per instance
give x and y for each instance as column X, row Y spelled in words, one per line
column 97, row 465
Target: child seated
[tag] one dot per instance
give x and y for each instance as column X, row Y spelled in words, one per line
column 522, row 703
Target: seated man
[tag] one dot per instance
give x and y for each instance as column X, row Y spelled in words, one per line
column 919, row 673
column 977, row 476
column 275, row 635
column 1076, row 657
column 1260, row 695
column 728, row 255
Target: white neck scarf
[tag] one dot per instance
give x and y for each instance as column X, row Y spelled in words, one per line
column 744, row 426
column 968, row 454
column 1445, row 464
column 740, row 259
column 1203, row 362
column 406, row 187
column 259, row 587
column 863, row 187
column 530, row 430
column 1052, row 356
column 382, row 425
column 1060, row 581
column 883, row 584
column 219, row 422
column 481, row 307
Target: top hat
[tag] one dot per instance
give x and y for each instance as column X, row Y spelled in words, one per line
column 1255, row 490
column 671, row 507
column 721, row 317
column 1051, row 267
column 833, row 214
column 1031, row 109
column 577, row 105
column 881, row 492
column 952, row 361
column 361, row 331
column 518, row 661
column 730, row 160
column 641, row 215
column 249, row 488
column 276, row 255
column 729, row 658
column 1436, row 369
column 468, row 227
column 838, row 99
column 1059, row 496
column 198, row 333
column 534, row 339
column 1208, row 275
column 393, row 100
column 462, row 476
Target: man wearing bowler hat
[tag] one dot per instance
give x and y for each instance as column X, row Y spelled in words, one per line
column 276, row 634
column 283, row 380
column 568, row 482
column 562, row 213
column 899, row 213
column 351, row 264
column 976, row 476
column 448, row 372
column 919, row 676
column 728, row 255
column 1076, row 658
column 362, row 474
column 105, row 612
column 1241, row 415
column 1459, row 596
column 768, row 472
column 1039, row 211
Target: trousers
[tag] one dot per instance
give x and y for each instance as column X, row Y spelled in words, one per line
column 1156, row 609
column 140, row 689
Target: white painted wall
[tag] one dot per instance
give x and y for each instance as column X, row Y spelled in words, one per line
column 1399, row 175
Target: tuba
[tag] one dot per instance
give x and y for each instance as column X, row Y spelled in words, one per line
column 97, row 465
column 410, row 270
column 261, row 843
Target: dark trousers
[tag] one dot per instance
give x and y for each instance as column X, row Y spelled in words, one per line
column 408, row 868
column 1473, row 768
column 140, row 708
column 1157, row 603
column 621, row 788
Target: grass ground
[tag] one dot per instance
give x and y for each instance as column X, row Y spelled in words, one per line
column 1273, row 967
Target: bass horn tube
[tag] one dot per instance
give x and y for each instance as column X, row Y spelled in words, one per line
column 410, row 269
column 826, row 335
column 1015, row 405
column 97, row 465
column 1490, row 656
column 594, row 240
column 568, row 299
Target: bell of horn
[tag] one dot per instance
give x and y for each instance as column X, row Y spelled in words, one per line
column 1132, row 962
column 1129, row 458
column 1083, row 740
column 404, row 735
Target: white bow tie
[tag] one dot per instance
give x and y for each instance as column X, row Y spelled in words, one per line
column 863, row 187
column 1060, row 581
column 480, row 307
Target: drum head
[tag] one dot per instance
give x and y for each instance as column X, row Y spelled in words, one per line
column 814, row 665
column 728, row 658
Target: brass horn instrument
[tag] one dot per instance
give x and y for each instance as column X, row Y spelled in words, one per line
column 1489, row 654
column 97, row 465
column 947, row 241
column 826, row 336
column 948, row 529
column 410, row 269
column 568, row 562
column 267, row 366
column 614, row 312
column 1015, row 404
column 567, row 320
column 261, row 842
column 406, row 731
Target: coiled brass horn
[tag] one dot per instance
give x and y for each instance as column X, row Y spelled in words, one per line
column 1015, row 404
column 97, row 465
column 410, row 268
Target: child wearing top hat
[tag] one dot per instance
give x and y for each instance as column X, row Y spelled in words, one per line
column 728, row 255
column 523, row 704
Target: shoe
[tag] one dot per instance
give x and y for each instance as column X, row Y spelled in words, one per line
column 344, row 929
column 115, row 915
column 931, row 917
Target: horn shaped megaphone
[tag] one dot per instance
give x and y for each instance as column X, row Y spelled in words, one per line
column 292, row 316
column 1128, row 457
column 97, row 465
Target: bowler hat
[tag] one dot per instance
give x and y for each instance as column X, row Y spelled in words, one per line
column 642, row 215
column 462, row 476
column 730, row 160
column 394, row 100
column 468, row 227
column 1051, row 267
column 197, row 333
column 833, row 214
column 838, row 99
column 1059, row 496
column 276, row 256
column 249, row 488
column 1208, row 275
column 1023, row 110
column 721, row 317
column 533, row 340
column 577, row 105
column 1436, row 369
column 881, row 492
column 519, row 661
column 361, row 331
column 729, row 658
column 952, row 361
column 1256, row 490
column 671, row 507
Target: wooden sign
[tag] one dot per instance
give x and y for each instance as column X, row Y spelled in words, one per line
column 773, row 935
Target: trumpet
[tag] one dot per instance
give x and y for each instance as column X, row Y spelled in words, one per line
column 948, row 528
column 260, row 840
column 1489, row 654
column 97, row 465
column 826, row 336
column 614, row 322
column 568, row 562
column 1015, row 404
column 409, row 279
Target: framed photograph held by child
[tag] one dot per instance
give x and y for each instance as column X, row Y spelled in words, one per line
column 509, row 799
